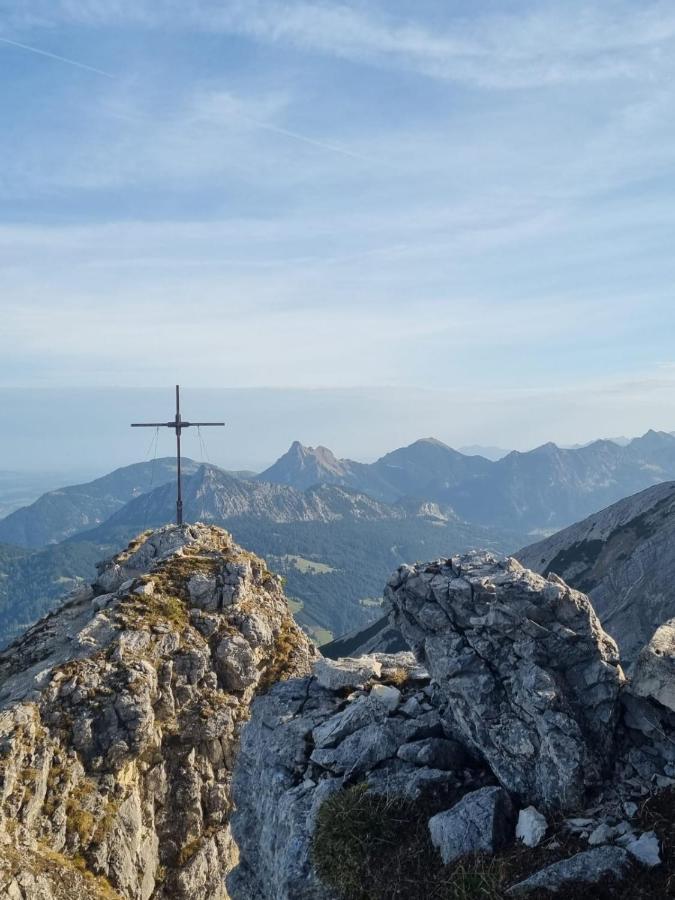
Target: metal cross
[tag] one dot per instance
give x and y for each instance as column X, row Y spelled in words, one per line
column 178, row 425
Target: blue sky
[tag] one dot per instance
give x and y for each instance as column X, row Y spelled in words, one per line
column 472, row 198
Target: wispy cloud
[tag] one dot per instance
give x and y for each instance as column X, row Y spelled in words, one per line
column 539, row 45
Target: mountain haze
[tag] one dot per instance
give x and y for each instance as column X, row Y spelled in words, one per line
column 62, row 513
column 540, row 490
column 333, row 544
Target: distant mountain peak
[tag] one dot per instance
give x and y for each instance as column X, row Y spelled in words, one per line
column 303, row 467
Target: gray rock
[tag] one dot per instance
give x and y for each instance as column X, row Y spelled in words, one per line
column 363, row 750
column 481, row 822
column 531, row 826
column 386, row 695
column 120, row 723
column 654, row 675
column 338, row 674
column 646, row 849
column 356, row 715
column 603, row 834
column 435, row 752
column 589, row 867
column 530, row 677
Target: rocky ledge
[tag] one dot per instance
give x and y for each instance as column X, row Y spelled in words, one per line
column 509, row 733
column 120, row 717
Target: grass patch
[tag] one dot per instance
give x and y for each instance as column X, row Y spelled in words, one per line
column 369, row 847
column 146, row 610
column 287, row 644
column 320, row 635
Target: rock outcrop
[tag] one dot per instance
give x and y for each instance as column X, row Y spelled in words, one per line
column 171, row 733
column 654, row 674
column 307, row 741
column 513, row 704
column 120, row 717
column 530, row 678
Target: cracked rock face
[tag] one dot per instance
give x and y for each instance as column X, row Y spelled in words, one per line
column 530, row 678
column 654, row 675
column 120, row 717
column 306, row 741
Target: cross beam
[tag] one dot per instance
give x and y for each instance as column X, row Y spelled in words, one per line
column 178, row 425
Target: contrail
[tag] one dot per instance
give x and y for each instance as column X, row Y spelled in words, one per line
column 332, row 148
column 63, row 59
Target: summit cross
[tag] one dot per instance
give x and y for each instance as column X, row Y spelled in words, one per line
column 178, row 425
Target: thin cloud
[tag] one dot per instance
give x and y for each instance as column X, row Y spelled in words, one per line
column 63, row 59
column 305, row 139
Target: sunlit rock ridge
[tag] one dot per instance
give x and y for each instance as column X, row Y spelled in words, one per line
column 120, row 717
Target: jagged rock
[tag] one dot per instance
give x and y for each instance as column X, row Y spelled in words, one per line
column 646, row 746
column 603, row 834
column 120, row 716
column 386, row 695
column 482, row 821
column 305, row 741
column 435, row 752
column 357, row 715
column 531, row 826
column 275, row 794
column 588, row 867
column 646, row 849
column 335, row 675
column 654, row 675
column 530, row 677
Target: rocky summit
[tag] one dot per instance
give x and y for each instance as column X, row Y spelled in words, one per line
column 530, row 677
column 120, row 717
column 508, row 731
column 170, row 732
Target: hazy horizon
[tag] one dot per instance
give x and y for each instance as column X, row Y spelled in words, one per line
column 87, row 430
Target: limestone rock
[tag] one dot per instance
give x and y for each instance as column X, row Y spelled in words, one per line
column 531, row 826
column 120, row 716
column 482, row 822
column 435, row 752
column 654, row 675
column 646, row 849
column 530, row 677
column 338, row 674
column 305, row 741
column 589, row 867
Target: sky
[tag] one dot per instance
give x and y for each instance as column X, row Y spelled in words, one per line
column 442, row 217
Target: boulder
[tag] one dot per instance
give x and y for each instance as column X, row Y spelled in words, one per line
column 482, row 822
column 654, row 675
column 589, row 867
column 531, row 826
column 386, row 695
column 436, row 752
column 646, row 849
column 338, row 674
column 530, row 678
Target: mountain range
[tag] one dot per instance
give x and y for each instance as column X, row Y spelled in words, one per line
column 334, row 545
column 539, row 491
column 623, row 557
column 334, row 528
